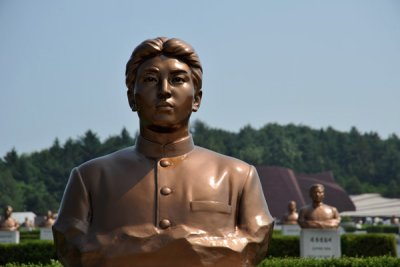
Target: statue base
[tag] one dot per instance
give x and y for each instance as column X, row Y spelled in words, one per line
column 46, row 234
column 9, row 237
column 320, row 243
column 291, row 229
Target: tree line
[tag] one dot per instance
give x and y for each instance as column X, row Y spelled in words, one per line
column 361, row 162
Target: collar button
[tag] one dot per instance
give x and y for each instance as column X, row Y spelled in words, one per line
column 165, row 191
column 165, row 163
column 164, row 224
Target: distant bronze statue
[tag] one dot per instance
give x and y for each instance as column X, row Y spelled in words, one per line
column 394, row 220
column 317, row 214
column 48, row 220
column 291, row 216
column 163, row 202
column 27, row 224
column 8, row 223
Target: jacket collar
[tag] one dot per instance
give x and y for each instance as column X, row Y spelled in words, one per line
column 155, row 150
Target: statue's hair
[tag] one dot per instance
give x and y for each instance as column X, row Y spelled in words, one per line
column 174, row 48
column 314, row 186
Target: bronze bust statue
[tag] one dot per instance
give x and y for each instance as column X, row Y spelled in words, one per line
column 291, row 216
column 48, row 220
column 27, row 224
column 8, row 223
column 317, row 214
column 164, row 201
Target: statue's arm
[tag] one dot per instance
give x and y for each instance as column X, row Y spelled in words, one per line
column 301, row 220
column 16, row 225
column 331, row 223
column 72, row 221
column 255, row 220
column 335, row 221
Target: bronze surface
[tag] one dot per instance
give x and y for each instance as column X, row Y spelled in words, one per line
column 164, row 201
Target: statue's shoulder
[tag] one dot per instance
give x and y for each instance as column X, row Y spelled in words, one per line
column 212, row 157
column 123, row 155
column 306, row 208
column 330, row 207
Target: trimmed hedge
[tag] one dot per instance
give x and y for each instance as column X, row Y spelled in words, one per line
column 349, row 228
column 369, row 245
column 342, row 262
column 276, row 232
column 37, row 251
column 388, row 229
column 52, row 263
column 366, row 245
column 284, row 246
column 26, row 236
column 289, row 262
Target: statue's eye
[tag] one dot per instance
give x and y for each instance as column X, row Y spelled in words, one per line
column 149, row 79
column 178, row 80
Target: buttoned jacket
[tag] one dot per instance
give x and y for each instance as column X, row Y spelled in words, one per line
column 163, row 205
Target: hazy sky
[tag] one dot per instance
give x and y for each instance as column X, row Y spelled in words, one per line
column 315, row 63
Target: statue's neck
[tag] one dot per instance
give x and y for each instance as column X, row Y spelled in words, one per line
column 165, row 135
column 317, row 204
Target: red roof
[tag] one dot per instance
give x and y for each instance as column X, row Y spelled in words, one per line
column 282, row 185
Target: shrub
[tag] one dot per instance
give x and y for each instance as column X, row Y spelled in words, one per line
column 52, row 263
column 287, row 262
column 349, row 228
column 365, row 245
column 284, row 246
column 277, row 232
column 342, row 262
column 389, row 229
column 368, row 245
column 29, row 235
column 32, row 251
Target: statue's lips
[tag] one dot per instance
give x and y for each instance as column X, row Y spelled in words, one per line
column 164, row 106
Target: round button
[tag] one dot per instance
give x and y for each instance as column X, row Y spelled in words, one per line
column 165, row 163
column 164, row 224
column 166, row 191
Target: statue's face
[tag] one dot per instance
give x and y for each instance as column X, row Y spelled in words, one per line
column 164, row 93
column 292, row 206
column 8, row 211
column 318, row 194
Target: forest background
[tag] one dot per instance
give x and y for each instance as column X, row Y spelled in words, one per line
column 360, row 162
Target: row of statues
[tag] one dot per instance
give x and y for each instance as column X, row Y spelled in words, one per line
column 8, row 223
column 316, row 214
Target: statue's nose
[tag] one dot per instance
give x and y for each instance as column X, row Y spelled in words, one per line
column 164, row 90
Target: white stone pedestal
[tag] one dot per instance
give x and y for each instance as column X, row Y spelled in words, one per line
column 291, row 229
column 9, row 237
column 46, row 234
column 320, row 243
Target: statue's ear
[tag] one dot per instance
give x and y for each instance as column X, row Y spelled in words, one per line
column 131, row 99
column 197, row 100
